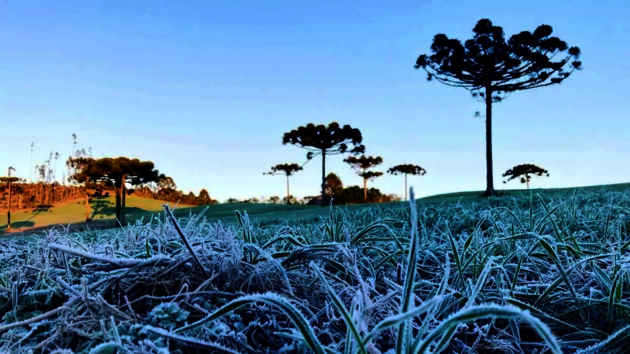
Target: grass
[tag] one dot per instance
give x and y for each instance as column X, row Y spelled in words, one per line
column 143, row 208
column 103, row 212
column 528, row 273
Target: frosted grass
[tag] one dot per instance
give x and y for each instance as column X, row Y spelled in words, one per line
column 538, row 273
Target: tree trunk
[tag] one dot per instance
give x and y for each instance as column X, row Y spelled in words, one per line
column 87, row 207
column 489, row 176
column 527, row 181
column 9, row 212
column 323, row 178
column 365, row 190
column 118, row 192
column 124, row 198
column 406, row 197
column 288, row 194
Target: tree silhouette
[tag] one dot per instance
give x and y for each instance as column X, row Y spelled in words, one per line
column 9, row 180
column 118, row 172
column 30, row 173
column 290, row 200
column 322, row 140
column 362, row 164
column 333, row 183
column 204, row 195
column 286, row 169
column 524, row 172
column 492, row 68
column 407, row 169
column 274, row 199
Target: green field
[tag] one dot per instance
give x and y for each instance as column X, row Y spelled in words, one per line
column 103, row 209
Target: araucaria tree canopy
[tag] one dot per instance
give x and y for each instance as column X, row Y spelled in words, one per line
column 362, row 164
column 117, row 172
column 407, row 169
column 325, row 140
column 525, row 172
column 287, row 169
column 492, row 68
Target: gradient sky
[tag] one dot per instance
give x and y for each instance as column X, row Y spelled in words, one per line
column 206, row 89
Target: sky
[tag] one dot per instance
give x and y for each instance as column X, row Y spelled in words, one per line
column 206, row 90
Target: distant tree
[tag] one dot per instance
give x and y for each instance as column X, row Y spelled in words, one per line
column 285, row 169
column 30, row 172
column 362, row 164
column 9, row 180
column 525, row 172
column 205, row 199
column 355, row 195
column 333, row 182
column 322, row 140
column 118, row 172
column 203, row 194
column 407, row 169
column 54, row 179
column 492, row 68
column 232, row 201
column 290, row 200
column 274, row 199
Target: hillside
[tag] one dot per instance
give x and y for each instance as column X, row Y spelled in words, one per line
column 26, row 222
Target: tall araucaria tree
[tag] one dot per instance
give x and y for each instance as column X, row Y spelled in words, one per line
column 407, row 169
column 325, row 140
column 286, row 169
column 362, row 164
column 9, row 180
column 118, row 171
column 492, row 68
column 525, row 173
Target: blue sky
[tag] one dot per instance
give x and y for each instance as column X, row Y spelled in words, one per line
column 206, row 89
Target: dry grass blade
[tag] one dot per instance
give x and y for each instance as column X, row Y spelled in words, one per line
column 184, row 239
column 494, row 311
column 352, row 328
column 285, row 306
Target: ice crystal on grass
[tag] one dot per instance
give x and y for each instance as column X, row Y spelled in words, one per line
column 516, row 274
column 168, row 315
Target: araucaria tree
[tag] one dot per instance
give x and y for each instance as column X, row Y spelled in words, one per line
column 362, row 164
column 286, row 169
column 492, row 68
column 407, row 169
column 525, row 172
column 116, row 171
column 9, row 180
column 325, row 140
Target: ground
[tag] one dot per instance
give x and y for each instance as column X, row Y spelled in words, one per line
column 103, row 209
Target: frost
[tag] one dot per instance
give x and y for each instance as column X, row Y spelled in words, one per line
column 482, row 278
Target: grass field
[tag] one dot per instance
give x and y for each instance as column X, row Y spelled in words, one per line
column 74, row 212
column 138, row 208
column 527, row 273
